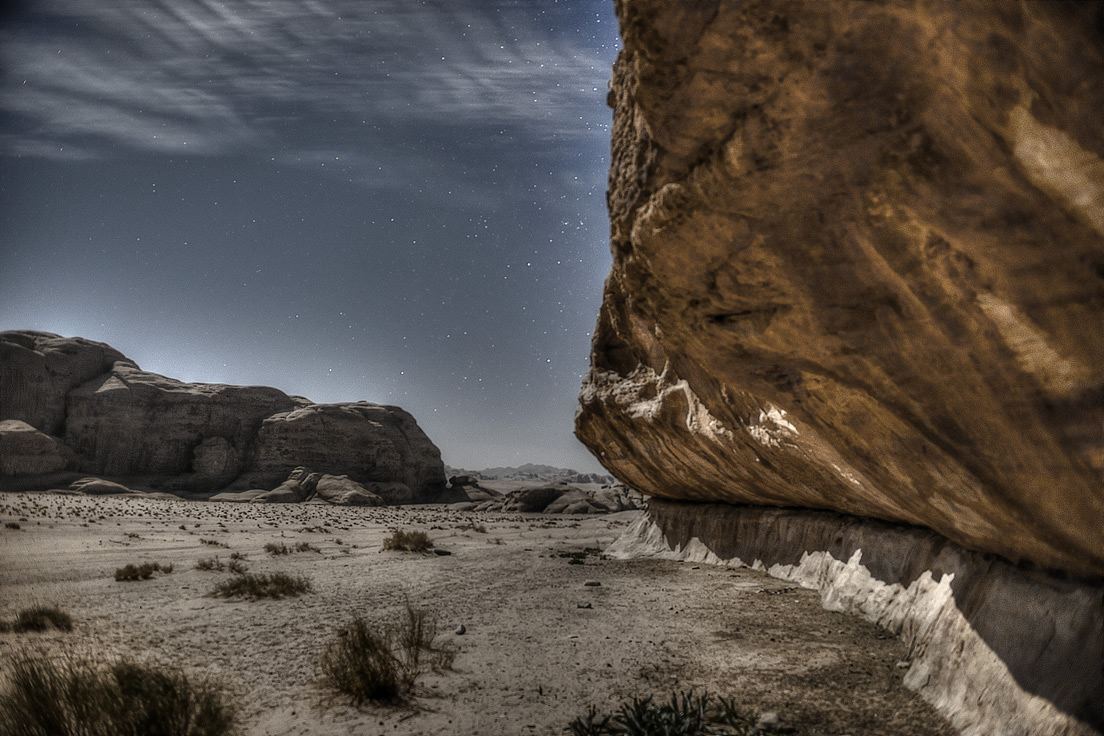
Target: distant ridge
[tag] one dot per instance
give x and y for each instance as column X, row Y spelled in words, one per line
column 532, row 471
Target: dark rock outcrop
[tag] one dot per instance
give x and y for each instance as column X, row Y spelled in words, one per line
column 110, row 418
column 858, row 251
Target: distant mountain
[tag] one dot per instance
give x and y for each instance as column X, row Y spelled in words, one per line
column 532, row 471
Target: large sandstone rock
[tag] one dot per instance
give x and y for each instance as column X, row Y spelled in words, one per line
column 118, row 421
column 130, row 422
column 367, row 442
column 859, row 265
column 38, row 369
column 26, row 451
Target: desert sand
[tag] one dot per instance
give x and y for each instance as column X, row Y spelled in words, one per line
column 539, row 645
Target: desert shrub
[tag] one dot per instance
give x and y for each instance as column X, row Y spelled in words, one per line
column 408, row 541
column 11, row 525
column 306, row 547
column 213, row 564
column 249, row 585
column 74, row 696
column 383, row 665
column 144, row 571
column 361, row 665
column 277, row 549
column 41, row 618
column 684, row 714
column 212, row 542
column 237, row 556
column 236, row 566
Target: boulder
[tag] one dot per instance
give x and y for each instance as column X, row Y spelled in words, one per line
column 341, row 491
column 26, row 451
column 98, row 487
column 299, row 486
column 533, row 500
column 857, row 257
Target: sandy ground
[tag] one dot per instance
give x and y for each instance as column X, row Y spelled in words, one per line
column 531, row 659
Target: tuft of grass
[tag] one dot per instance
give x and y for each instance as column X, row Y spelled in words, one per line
column 212, row 564
column 75, row 696
column 41, row 618
column 253, row 586
column 684, row 714
column 382, row 666
column 212, row 542
column 277, row 549
column 306, row 547
column 144, row 571
column 408, row 541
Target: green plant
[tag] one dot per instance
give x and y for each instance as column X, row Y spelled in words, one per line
column 41, row 618
column 75, row 696
column 408, row 541
column 249, row 585
column 684, row 714
column 383, row 665
column 144, row 571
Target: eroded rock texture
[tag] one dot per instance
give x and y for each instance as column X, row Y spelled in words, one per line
column 72, row 404
column 859, row 265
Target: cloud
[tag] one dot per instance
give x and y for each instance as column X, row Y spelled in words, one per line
column 204, row 77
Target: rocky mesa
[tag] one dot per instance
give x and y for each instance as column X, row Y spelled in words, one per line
column 72, row 405
column 859, row 266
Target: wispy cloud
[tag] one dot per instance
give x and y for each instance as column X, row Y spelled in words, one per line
column 206, row 77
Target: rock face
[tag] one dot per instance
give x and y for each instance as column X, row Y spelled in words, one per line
column 75, row 404
column 996, row 648
column 859, row 266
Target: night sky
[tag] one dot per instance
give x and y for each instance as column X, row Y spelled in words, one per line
column 387, row 200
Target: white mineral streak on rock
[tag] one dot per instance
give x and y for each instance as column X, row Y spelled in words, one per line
column 1056, row 163
column 1058, row 374
column 772, row 429
column 644, row 394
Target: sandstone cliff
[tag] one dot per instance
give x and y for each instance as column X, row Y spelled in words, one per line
column 859, row 265
column 72, row 404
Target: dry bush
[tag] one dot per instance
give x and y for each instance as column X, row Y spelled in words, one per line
column 75, row 696
column 684, row 714
column 39, row 618
column 408, row 541
column 212, row 564
column 144, row 571
column 277, row 549
column 383, row 665
column 249, row 585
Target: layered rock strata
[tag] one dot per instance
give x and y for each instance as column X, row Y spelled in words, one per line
column 858, row 265
column 71, row 404
column 997, row 649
